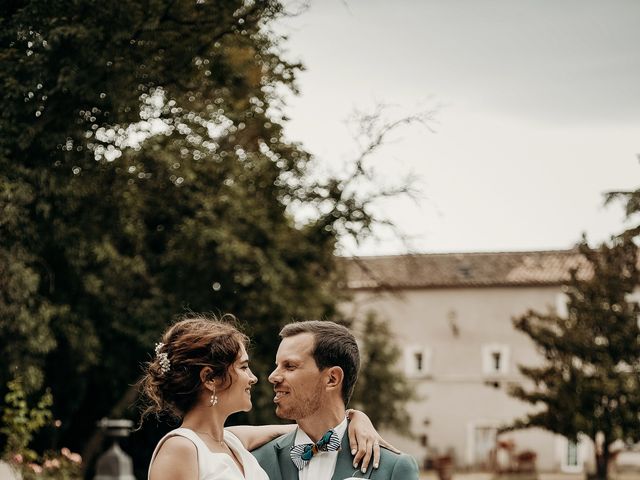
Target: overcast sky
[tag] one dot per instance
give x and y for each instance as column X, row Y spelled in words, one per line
column 540, row 113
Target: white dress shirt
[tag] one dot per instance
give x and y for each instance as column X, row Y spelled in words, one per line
column 322, row 464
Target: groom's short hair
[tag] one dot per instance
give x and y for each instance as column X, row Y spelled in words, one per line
column 334, row 346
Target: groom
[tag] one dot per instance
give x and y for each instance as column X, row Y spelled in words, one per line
column 316, row 370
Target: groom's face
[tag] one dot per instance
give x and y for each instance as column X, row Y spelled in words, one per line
column 297, row 381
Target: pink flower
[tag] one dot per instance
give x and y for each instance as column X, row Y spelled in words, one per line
column 75, row 458
column 53, row 463
column 35, row 467
column 18, row 458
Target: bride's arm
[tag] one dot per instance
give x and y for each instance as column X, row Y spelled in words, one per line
column 254, row 436
column 364, row 440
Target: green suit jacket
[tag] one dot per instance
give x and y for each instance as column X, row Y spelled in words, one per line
column 274, row 458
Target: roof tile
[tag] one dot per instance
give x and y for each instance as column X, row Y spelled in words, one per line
column 465, row 269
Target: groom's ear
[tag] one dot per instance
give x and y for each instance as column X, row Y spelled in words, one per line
column 334, row 377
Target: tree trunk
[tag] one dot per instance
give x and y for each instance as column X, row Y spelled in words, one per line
column 602, row 460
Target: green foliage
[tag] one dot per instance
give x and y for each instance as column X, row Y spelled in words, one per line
column 144, row 171
column 20, row 422
column 382, row 389
column 589, row 382
column 631, row 201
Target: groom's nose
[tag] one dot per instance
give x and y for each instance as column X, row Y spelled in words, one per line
column 275, row 377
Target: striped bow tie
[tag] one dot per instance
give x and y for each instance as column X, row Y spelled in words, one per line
column 302, row 454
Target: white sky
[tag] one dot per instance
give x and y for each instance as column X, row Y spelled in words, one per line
column 541, row 113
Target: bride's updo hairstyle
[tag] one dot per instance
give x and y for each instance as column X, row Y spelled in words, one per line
column 171, row 381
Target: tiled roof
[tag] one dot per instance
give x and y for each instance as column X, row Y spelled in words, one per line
column 464, row 269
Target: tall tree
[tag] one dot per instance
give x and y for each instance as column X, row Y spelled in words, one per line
column 144, row 170
column 590, row 381
column 382, row 389
column 631, row 201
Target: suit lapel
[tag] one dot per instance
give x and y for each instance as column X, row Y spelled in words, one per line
column 344, row 464
column 283, row 447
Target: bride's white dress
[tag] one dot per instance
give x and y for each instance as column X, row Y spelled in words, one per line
column 218, row 466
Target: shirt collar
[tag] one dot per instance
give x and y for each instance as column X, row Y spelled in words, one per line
column 302, row 437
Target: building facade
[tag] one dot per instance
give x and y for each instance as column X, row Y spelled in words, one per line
column 452, row 318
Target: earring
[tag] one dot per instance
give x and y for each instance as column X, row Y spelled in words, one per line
column 213, row 400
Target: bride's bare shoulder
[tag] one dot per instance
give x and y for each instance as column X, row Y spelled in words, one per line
column 176, row 459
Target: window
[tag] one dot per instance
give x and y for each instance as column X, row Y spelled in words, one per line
column 484, row 441
column 417, row 361
column 571, row 454
column 561, row 305
column 481, row 442
column 495, row 359
column 634, row 297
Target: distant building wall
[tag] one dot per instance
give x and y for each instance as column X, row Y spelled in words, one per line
column 461, row 353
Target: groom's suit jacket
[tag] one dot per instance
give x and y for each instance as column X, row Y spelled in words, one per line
column 274, row 458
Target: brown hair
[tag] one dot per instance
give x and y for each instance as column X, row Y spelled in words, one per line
column 192, row 343
column 334, row 346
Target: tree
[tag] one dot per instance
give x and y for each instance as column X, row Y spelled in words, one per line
column 144, row 170
column 631, row 200
column 590, row 381
column 382, row 389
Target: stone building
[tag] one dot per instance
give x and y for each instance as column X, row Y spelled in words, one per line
column 452, row 318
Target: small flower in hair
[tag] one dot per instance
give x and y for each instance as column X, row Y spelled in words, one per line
column 163, row 359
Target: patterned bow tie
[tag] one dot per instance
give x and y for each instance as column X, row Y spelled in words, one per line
column 302, row 454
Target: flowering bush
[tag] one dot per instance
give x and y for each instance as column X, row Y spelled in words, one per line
column 19, row 423
column 63, row 465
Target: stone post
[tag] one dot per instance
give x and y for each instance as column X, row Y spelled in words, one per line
column 115, row 464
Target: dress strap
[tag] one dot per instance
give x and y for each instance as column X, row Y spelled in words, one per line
column 191, row 435
column 180, row 432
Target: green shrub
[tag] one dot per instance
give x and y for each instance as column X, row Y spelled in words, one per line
column 19, row 423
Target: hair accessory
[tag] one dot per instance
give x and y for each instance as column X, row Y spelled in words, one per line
column 163, row 359
column 214, row 398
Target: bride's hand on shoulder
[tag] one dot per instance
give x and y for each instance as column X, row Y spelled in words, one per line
column 365, row 441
